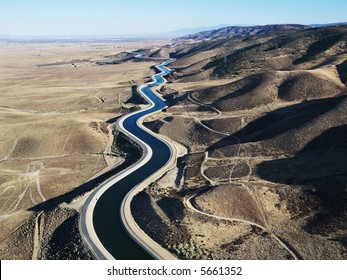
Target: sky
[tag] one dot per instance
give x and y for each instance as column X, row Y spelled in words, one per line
column 136, row 17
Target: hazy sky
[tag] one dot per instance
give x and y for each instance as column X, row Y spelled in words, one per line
column 103, row 17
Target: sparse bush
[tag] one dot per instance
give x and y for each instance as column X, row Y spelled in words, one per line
column 189, row 251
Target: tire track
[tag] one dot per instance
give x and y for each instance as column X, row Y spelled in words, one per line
column 191, row 207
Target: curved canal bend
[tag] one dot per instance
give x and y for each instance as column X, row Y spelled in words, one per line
column 106, row 220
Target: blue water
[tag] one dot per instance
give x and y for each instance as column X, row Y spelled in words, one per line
column 106, row 216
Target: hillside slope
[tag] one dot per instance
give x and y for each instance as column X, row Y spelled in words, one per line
column 232, row 31
column 263, row 118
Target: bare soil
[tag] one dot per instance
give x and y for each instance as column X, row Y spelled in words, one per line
column 264, row 124
column 57, row 107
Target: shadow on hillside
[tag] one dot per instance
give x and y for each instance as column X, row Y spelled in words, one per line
column 326, row 41
column 320, row 169
column 147, row 218
column 66, row 243
column 251, row 83
column 342, row 70
column 173, row 208
column 281, row 120
column 136, row 97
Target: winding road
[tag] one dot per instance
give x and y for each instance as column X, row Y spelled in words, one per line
column 106, row 223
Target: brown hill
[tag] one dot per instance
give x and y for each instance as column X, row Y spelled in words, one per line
column 286, row 50
column 231, row 31
column 263, row 118
column 306, row 86
column 264, row 88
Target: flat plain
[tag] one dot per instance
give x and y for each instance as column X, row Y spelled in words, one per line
column 57, row 106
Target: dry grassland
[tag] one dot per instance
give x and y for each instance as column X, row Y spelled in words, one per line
column 54, row 106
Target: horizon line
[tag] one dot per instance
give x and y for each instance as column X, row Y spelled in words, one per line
column 157, row 35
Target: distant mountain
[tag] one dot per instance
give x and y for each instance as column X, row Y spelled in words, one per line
column 187, row 31
column 328, row 24
column 69, row 39
column 277, row 51
column 231, row 31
